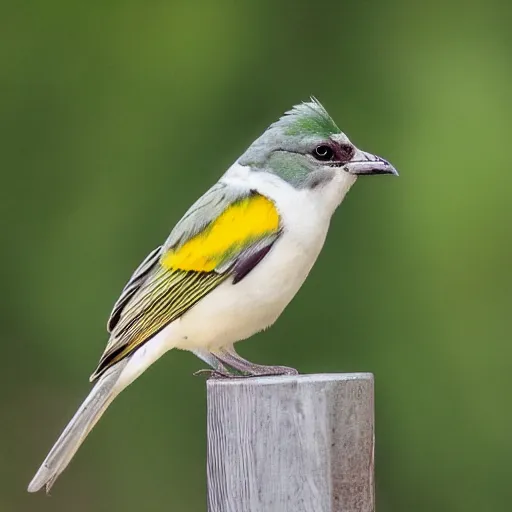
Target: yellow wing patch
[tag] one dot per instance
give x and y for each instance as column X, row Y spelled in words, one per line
column 243, row 222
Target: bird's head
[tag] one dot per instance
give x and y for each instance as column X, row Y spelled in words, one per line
column 306, row 149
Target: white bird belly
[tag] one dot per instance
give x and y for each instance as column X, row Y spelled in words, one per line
column 233, row 312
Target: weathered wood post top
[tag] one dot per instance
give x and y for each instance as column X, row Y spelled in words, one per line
column 300, row 443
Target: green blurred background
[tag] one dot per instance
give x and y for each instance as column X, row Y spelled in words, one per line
column 116, row 115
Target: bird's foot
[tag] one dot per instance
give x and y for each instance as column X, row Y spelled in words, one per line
column 257, row 370
column 247, row 373
column 214, row 374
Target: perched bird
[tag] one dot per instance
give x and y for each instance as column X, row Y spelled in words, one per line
column 230, row 266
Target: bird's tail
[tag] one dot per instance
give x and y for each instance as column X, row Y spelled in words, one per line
column 77, row 429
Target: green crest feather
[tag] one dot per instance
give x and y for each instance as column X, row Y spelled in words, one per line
column 308, row 118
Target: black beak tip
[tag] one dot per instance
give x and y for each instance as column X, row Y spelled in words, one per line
column 388, row 168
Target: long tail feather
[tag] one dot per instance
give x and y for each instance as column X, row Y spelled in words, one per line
column 77, row 429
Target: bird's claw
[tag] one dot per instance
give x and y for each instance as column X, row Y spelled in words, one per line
column 213, row 374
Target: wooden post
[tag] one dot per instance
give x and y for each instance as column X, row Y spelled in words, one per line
column 291, row 444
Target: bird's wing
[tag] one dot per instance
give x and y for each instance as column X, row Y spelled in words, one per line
column 223, row 235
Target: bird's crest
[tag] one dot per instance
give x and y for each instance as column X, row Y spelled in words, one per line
column 307, row 118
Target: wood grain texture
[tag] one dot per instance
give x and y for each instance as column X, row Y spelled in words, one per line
column 291, row 444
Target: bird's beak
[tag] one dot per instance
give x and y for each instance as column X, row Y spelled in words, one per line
column 366, row 163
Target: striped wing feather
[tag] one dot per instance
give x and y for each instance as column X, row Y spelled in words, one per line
column 133, row 285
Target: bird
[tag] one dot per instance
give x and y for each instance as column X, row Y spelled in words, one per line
column 229, row 267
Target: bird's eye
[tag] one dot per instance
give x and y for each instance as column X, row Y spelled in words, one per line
column 323, row 153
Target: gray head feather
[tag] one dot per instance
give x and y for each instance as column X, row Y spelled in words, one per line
column 284, row 148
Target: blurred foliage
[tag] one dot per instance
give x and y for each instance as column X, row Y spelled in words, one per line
column 116, row 115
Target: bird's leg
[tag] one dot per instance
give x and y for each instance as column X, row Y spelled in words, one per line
column 230, row 357
column 218, row 369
